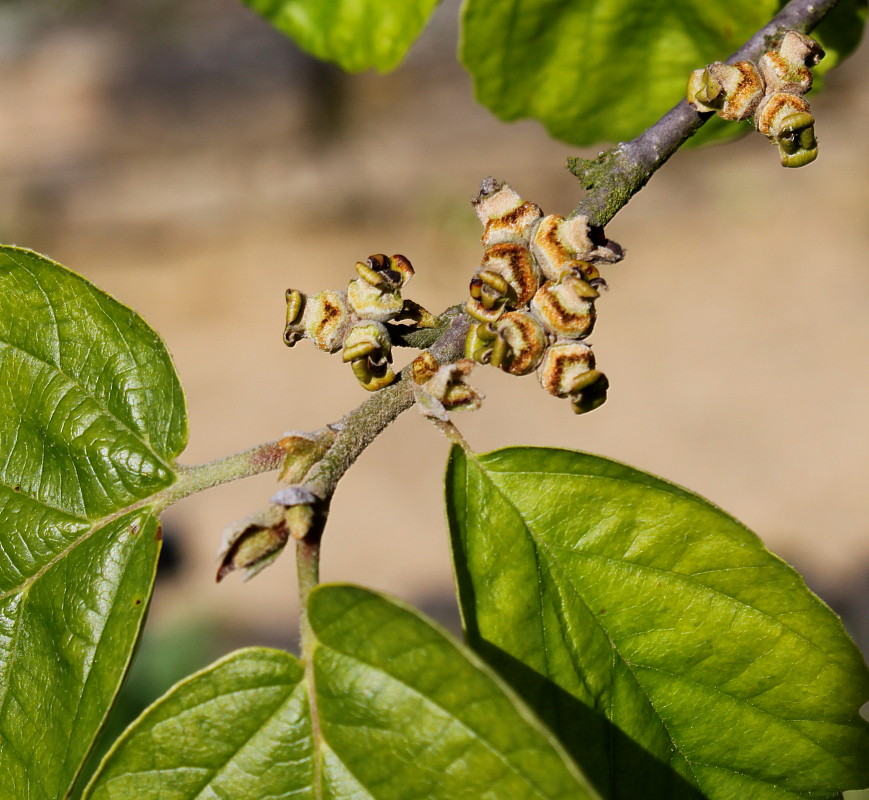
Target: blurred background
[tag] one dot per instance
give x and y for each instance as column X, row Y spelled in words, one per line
column 191, row 161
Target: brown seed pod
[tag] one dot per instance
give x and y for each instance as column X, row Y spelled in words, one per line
column 566, row 306
column 326, row 319
column 423, row 368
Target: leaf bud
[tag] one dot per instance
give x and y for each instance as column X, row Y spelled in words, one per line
column 326, row 319
column 566, row 306
column 369, row 350
column 294, row 328
column 302, row 509
column 446, row 389
column 788, row 67
column 253, row 543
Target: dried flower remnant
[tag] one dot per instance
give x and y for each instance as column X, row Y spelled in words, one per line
column 442, row 388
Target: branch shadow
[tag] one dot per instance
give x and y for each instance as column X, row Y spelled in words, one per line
column 617, row 766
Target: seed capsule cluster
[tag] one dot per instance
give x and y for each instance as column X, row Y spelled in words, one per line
column 769, row 92
column 353, row 321
column 534, row 293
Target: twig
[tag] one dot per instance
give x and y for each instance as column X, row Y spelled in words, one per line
column 616, row 175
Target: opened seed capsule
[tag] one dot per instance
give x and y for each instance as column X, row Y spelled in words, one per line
column 566, row 307
column 375, row 294
column 326, row 319
column 447, row 389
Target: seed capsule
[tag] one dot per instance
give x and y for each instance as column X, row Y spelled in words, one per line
column 516, row 265
column 704, row 93
column 549, row 249
column 741, row 87
column 506, row 216
column 786, row 119
column 566, row 307
column 490, row 293
column 369, row 350
column 788, row 68
column 568, row 370
column 376, row 293
column 326, row 319
column 519, row 343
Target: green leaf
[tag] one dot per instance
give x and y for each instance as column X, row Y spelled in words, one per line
column 354, row 34
column 400, row 712
column 604, row 70
column 91, row 418
column 660, row 640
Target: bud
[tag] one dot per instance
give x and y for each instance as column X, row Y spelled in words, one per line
column 368, row 348
column 566, row 306
column 326, row 319
column 704, row 93
column 253, row 543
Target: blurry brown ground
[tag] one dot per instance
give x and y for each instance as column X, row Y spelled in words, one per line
column 190, row 161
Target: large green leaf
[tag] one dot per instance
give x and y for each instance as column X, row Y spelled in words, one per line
column 400, row 712
column 666, row 647
column 603, row 70
column 354, row 34
column 91, row 418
